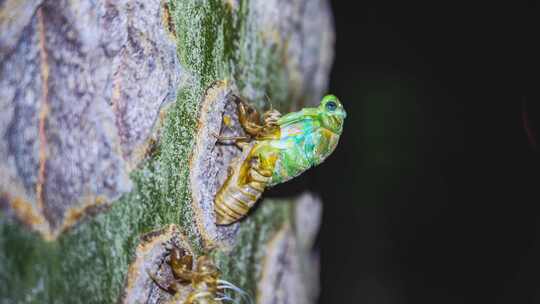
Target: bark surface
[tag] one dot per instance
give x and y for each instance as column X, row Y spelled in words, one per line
column 106, row 115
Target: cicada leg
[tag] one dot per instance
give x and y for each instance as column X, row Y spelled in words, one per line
column 239, row 141
column 248, row 117
column 172, row 288
column 271, row 118
column 251, row 122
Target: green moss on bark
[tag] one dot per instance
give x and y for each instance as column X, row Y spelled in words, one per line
column 88, row 264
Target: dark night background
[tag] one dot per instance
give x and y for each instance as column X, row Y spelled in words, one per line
column 432, row 194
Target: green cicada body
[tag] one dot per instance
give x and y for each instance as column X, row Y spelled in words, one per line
column 281, row 149
column 306, row 138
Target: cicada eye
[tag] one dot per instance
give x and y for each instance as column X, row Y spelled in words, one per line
column 331, row 106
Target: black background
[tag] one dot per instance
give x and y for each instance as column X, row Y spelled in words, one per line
column 432, row 194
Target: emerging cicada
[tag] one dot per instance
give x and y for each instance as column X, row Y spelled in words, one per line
column 204, row 278
column 276, row 150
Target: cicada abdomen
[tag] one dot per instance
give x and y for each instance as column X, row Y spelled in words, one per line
column 244, row 185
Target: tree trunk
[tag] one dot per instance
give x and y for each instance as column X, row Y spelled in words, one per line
column 107, row 110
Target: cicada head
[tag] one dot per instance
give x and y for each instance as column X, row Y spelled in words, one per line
column 332, row 114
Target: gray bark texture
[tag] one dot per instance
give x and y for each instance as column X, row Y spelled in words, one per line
column 107, row 110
